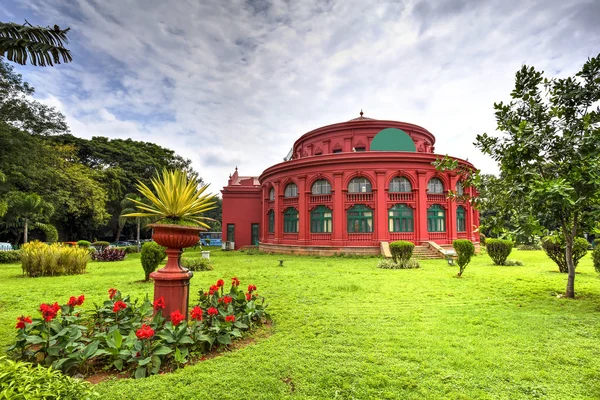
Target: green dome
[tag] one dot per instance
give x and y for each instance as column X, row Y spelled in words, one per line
column 392, row 139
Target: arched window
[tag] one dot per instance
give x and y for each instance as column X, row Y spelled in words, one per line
column 320, row 220
column 400, row 218
column 359, row 185
column 400, row 184
column 436, row 219
column 272, row 194
column 321, row 186
column 461, row 225
column 271, row 215
column 291, row 190
column 360, row 219
column 290, row 220
column 435, row 186
column 460, row 190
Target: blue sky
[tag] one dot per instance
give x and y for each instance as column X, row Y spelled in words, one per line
column 229, row 83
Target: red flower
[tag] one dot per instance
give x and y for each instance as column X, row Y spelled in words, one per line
column 230, row 318
column 220, row 283
column 212, row 311
column 251, row 288
column 213, row 289
column 159, row 304
column 111, row 293
column 220, row 300
column 196, row 313
column 235, row 281
column 76, row 301
column 227, row 299
column 119, row 305
column 49, row 311
column 21, row 321
column 248, row 296
column 145, row 332
column 80, row 300
column 177, row 317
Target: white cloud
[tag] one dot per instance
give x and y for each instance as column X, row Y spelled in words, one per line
column 236, row 83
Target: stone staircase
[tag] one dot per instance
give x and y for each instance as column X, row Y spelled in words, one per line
column 425, row 252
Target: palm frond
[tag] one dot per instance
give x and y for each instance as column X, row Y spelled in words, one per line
column 38, row 45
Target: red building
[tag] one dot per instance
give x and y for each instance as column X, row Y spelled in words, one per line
column 347, row 187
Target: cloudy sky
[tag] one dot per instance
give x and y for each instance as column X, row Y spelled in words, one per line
column 229, row 83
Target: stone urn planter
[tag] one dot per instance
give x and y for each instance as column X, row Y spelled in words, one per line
column 173, row 281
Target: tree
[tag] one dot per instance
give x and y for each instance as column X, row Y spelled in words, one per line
column 28, row 208
column 549, row 149
column 128, row 207
column 38, row 45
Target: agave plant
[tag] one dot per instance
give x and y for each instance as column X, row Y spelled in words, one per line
column 178, row 200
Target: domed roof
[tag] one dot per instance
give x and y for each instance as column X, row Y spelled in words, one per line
column 361, row 118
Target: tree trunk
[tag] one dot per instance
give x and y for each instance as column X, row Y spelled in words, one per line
column 137, row 238
column 119, row 230
column 570, row 239
column 25, row 232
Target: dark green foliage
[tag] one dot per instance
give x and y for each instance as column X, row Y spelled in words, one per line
column 402, row 264
column 83, row 243
column 465, row 250
column 197, row 264
column 554, row 247
column 23, row 43
column 130, row 249
column 101, row 244
column 596, row 256
column 499, row 250
column 20, row 380
column 529, row 247
column 152, row 255
column 401, row 250
column 10, row 257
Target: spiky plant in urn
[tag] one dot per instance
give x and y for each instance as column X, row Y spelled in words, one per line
column 177, row 204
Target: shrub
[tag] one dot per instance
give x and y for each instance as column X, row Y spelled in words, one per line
column 152, row 255
column 554, row 247
column 10, row 257
column 465, row 250
column 21, row 380
column 100, row 244
column 130, row 249
column 499, row 250
column 513, row 263
column 108, row 254
column 596, row 256
column 529, row 247
column 401, row 250
column 197, row 264
column 40, row 259
column 123, row 335
column 386, row 263
column 84, row 243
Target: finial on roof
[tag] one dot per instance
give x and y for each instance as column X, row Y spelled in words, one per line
column 236, row 167
column 361, row 113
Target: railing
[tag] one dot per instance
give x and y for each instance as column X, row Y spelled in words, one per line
column 290, row 201
column 401, row 196
column 402, row 236
column 360, row 236
column 290, row 236
column 436, row 197
column 437, row 235
column 359, row 197
column 461, row 235
column 321, row 198
column 320, row 237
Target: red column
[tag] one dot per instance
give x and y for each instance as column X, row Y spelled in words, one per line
column 302, row 212
column 421, row 214
column 338, row 207
column 278, row 215
column 381, row 225
column 263, row 215
column 451, row 213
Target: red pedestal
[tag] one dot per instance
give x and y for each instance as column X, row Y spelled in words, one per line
column 172, row 282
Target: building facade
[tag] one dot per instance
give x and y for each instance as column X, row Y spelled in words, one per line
column 347, row 187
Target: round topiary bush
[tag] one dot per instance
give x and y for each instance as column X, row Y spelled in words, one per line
column 152, row 255
column 101, row 244
column 465, row 250
column 554, row 247
column 83, row 243
column 401, row 250
column 499, row 250
column 596, row 255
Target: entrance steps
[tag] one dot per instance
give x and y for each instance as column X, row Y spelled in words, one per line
column 427, row 250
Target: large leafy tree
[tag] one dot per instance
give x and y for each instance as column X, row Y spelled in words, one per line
column 549, row 148
column 28, row 208
column 35, row 44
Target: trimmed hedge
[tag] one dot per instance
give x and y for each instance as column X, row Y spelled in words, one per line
column 465, row 250
column 152, row 255
column 40, row 259
column 101, row 244
column 197, row 264
column 554, row 247
column 10, row 257
column 84, row 243
column 404, row 264
column 499, row 250
column 401, row 250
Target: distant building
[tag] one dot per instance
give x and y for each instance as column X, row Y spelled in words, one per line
column 347, row 187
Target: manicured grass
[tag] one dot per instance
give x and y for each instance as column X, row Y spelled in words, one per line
column 346, row 329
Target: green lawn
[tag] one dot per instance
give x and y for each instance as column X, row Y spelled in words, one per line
column 346, row 329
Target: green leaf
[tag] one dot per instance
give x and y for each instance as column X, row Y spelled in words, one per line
column 224, row 338
column 34, row 339
column 90, row 349
column 145, row 361
column 162, row 351
column 140, row 372
column 118, row 363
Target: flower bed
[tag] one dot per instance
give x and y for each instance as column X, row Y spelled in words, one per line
column 125, row 336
